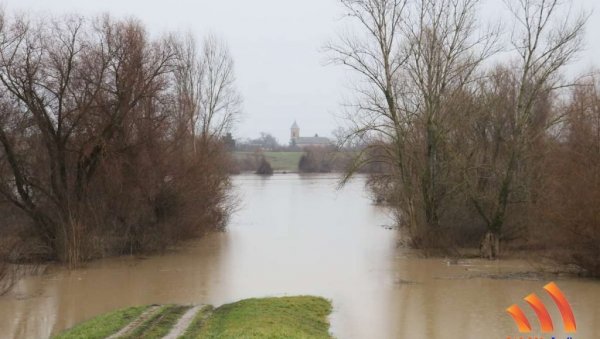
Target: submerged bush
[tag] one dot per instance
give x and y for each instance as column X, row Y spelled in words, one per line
column 264, row 167
column 316, row 160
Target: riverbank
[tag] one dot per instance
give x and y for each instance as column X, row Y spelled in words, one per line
column 286, row 317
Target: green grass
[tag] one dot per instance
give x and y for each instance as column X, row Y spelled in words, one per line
column 195, row 327
column 160, row 324
column 284, row 161
column 280, row 161
column 289, row 317
column 104, row 325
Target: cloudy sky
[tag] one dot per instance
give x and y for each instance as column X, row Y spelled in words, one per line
column 276, row 44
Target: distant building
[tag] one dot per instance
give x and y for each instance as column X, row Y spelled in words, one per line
column 297, row 141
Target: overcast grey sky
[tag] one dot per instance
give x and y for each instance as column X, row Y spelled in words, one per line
column 276, row 45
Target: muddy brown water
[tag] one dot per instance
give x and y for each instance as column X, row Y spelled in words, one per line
column 297, row 235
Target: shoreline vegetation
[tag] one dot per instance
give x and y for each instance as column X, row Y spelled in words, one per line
column 477, row 151
column 284, row 317
column 111, row 140
column 327, row 159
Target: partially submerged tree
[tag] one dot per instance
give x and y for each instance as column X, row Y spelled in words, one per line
column 545, row 41
column 412, row 59
column 67, row 91
column 375, row 55
column 91, row 144
column 455, row 138
column 445, row 49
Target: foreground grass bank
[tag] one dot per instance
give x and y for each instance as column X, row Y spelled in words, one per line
column 287, row 317
column 104, row 325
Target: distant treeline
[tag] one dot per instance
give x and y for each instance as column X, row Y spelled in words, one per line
column 307, row 160
column 110, row 140
column 474, row 151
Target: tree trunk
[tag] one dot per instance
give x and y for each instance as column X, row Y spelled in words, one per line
column 490, row 246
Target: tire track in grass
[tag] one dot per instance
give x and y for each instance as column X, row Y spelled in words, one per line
column 184, row 322
column 149, row 313
column 159, row 324
column 195, row 326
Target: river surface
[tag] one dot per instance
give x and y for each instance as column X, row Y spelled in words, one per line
column 298, row 235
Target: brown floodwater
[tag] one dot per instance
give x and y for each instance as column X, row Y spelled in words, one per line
column 297, row 235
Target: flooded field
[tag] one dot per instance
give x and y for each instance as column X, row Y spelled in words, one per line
column 295, row 235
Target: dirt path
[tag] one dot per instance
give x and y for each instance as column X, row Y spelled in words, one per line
column 183, row 323
column 151, row 311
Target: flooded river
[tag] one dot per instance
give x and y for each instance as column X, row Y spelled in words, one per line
column 296, row 235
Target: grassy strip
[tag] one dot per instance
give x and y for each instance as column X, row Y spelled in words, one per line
column 289, row 317
column 193, row 331
column 284, row 161
column 104, row 325
column 280, row 161
column 160, row 324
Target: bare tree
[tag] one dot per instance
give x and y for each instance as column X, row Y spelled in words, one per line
column 206, row 88
column 67, row 90
column 446, row 48
column 95, row 126
column 220, row 100
column 545, row 41
column 376, row 55
column 414, row 56
column 188, row 85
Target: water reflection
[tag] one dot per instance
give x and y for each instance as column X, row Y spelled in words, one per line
column 297, row 235
column 48, row 304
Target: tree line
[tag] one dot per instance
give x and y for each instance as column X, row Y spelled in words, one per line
column 481, row 138
column 110, row 139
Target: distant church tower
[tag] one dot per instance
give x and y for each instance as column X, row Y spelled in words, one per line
column 295, row 132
